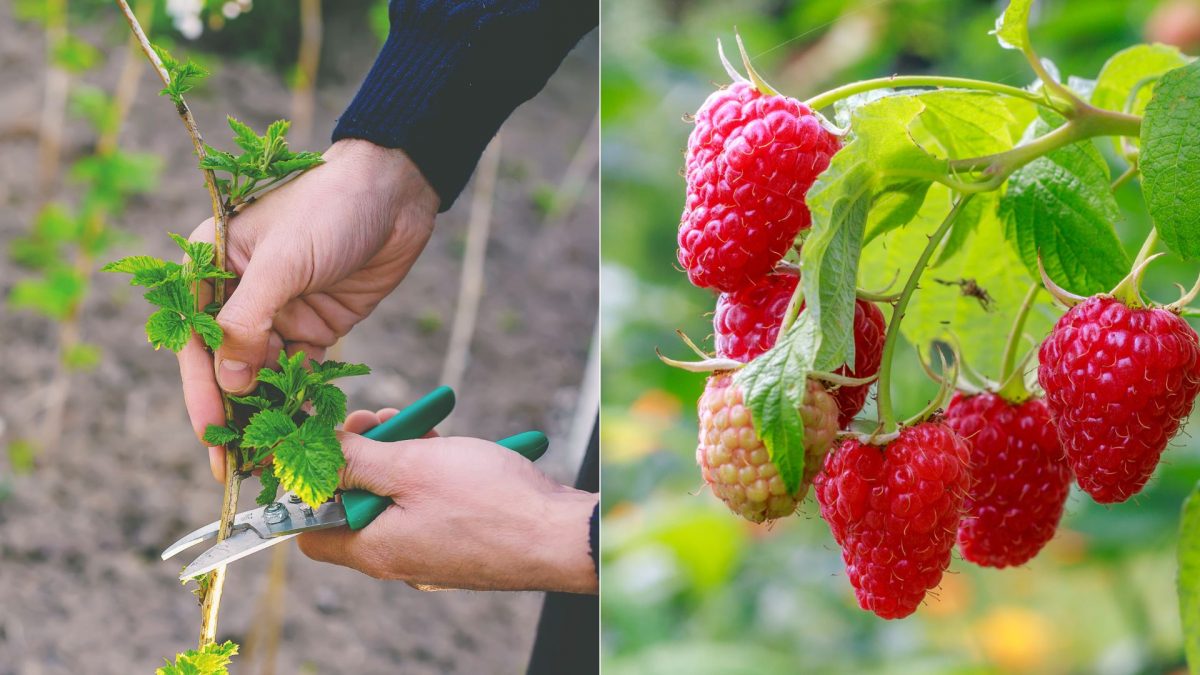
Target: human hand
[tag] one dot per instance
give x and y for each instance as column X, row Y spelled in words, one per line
column 468, row 514
column 314, row 257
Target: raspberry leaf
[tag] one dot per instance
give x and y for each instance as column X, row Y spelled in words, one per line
column 207, row 328
column 270, row 487
column 884, row 159
column 1170, row 159
column 168, row 328
column 940, row 308
column 212, row 659
column 773, row 386
column 331, row 370
column 329, row 402
column 1130, row 68
column 267, row 428
column 216, row 435
column 1060, row 206
column 308, row 460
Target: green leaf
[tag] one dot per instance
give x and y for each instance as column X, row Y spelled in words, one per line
column 938, row 309
column 55, row 295
column 329, row 402
column 212, row 659
column 302, row 162
column 117, row 175
column 200, row 253
column 147, row 270
column 1189, row 578
column 1127, row 68
column 773, row 387
column 96, row 106
column 168, row 328
column 307, row 462
column 218, row 435
column 881, row 158
column 270, row 487
column 173, row 294
column 290, row 378
column 74, row 55
column 252, row 401
column 277, row 132
column 207, row 328
column 970, row 123
column 1061, row 207
column 267, row 428
column 1170, row 159
column 244, row 136
column 183, row 75
column 332, row 370
column 82, row 356
column 219, row 160
column 1012, row 28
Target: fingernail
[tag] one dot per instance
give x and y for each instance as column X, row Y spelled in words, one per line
column 233, row 376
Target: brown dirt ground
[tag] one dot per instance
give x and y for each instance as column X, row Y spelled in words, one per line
column 81, row 585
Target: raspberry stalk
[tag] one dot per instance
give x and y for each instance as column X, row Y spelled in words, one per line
column 887, row 417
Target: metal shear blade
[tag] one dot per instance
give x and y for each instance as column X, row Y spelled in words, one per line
column 255, row 530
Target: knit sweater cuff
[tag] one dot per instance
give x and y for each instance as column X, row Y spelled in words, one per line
column 397, row 105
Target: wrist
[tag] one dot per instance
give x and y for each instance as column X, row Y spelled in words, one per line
column 383, row 171
column 562, row 546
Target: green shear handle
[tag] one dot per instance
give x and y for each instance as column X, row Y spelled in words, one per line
column 414, row 422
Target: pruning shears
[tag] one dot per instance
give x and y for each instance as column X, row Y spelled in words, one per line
column 288, row 516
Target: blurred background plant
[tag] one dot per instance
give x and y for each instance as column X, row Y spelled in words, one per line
column 688, row 587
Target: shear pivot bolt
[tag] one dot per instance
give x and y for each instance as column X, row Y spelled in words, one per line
column 275, row 513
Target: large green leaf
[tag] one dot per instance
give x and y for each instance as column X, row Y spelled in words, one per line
column 938, row 309
column 1189, row 579
column 773, row 387
column 1170, row 159
column 1061, row 207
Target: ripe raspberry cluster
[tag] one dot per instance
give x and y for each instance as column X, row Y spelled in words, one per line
column 993, row 472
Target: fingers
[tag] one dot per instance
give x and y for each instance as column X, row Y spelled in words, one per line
column 202, row 397
column 246, row 319
column 362, row 550
column 359, row 421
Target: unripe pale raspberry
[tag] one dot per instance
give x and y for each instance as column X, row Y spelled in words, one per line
column 894, row 510
column 1021, row 478
column 750, row 161
column 746, row 324
column 734, row 461
column 1119, row 381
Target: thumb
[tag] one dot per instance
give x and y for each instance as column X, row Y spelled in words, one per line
column 246, row 320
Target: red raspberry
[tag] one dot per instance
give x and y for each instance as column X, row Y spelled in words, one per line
column 894, row 511
column 750, row 161
column 734, row 461
column 747, row 322
column 1021, row 478
column 1119, row 381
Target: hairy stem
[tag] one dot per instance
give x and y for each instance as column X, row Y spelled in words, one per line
column 887, row 417
column 233, row 477
column 832, row 96
column 220, row 217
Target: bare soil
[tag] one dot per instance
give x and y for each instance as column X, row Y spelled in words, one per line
column 82, row 589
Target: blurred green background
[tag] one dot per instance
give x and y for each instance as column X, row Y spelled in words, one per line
column 689, row 588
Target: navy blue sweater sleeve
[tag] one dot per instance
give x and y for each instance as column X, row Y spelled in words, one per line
column 451, row 72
